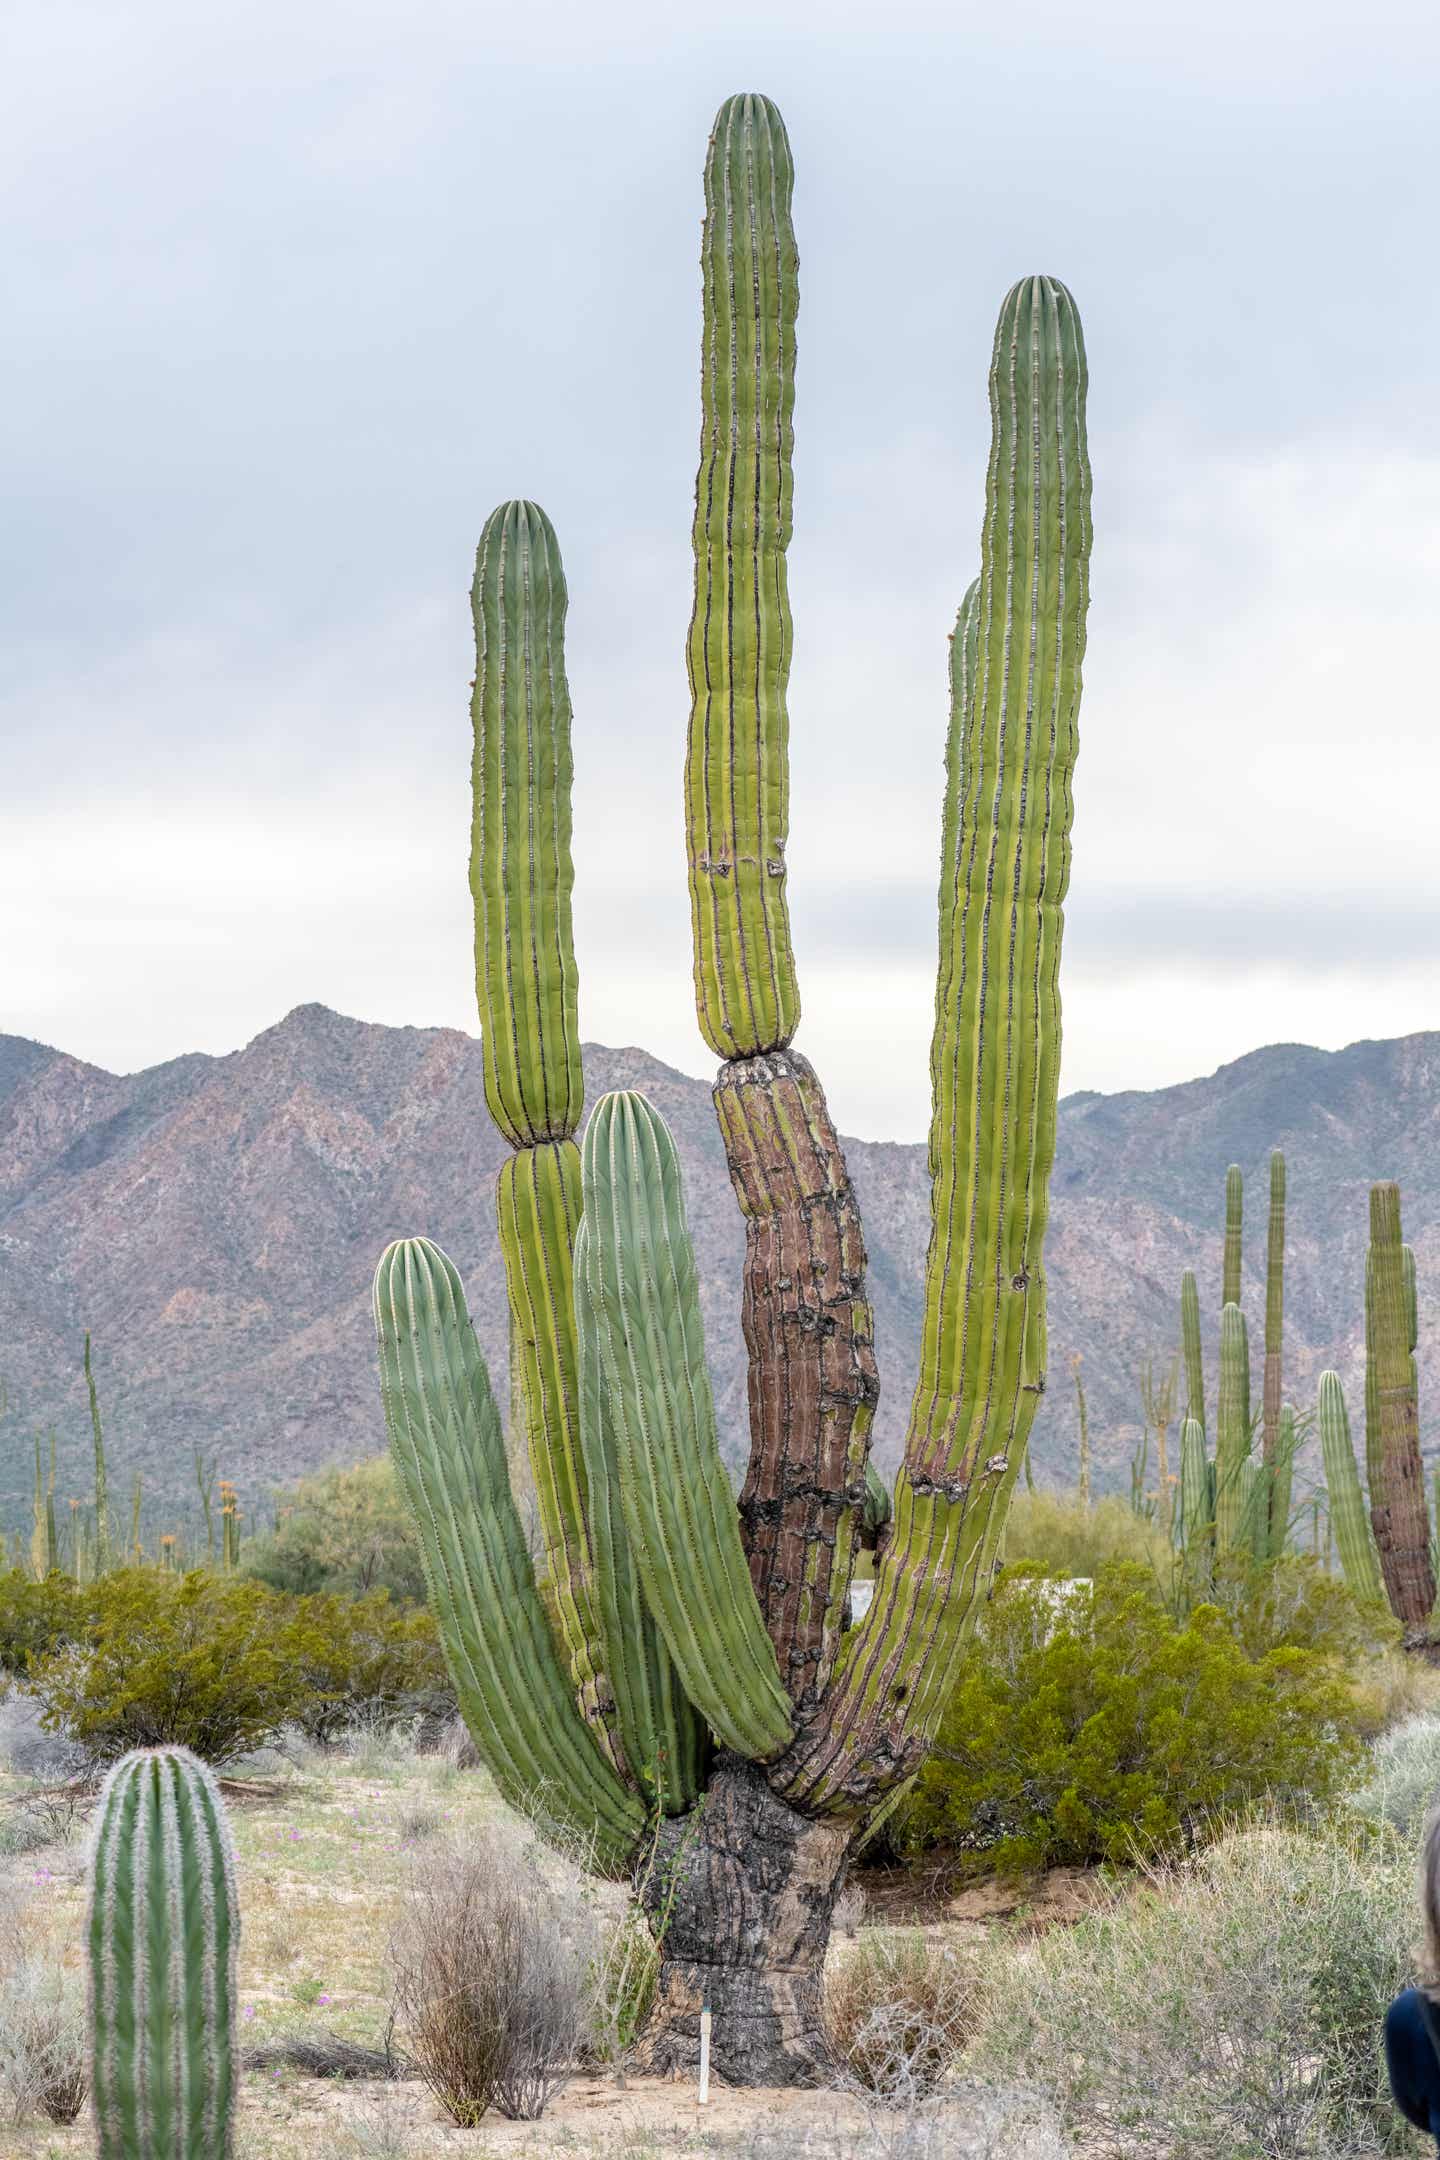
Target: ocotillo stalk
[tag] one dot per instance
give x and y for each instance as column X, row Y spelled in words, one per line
column 995, row 1057
column 807, row 1323
column 1234, row 1236
column 1232, row 1435
column 1348, row 1517
column 1190, row 1342
column 164, row 1925
column 102, row 1502
column 1274, row 1311
column 521, row 877
column 1398, row 1512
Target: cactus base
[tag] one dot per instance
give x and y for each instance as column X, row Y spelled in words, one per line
column 741, row 1893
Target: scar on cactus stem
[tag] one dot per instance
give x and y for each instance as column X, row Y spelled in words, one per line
column 688, row 1697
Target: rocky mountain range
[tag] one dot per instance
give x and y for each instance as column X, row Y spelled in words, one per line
column 214, row 1222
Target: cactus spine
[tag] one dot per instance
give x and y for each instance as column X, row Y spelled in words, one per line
column 163, row 1929
column 1398, row 1511
column 676, row 1612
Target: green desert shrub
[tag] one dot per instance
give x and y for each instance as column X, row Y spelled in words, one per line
column 199, row 1661
column 1058, row 1532
column 221, row 1664
column 1294, row 1603
column 1090, row 1725
column 343, row 1530
column 1229, row 2008
column 364, row 1658
column 36, row 1617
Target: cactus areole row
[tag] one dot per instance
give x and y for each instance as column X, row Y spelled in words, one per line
column 688, row 1695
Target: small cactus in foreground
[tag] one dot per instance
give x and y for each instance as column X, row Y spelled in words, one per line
column 164, row 1925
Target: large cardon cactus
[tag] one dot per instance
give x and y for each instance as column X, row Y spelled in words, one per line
column 682, row 1688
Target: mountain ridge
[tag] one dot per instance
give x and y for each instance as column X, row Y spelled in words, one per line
column 215, row 1220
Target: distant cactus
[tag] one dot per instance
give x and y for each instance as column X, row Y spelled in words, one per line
column 1348, row 1516
column 1398, row 1511
column 164, row 1925
column 1234, row 1236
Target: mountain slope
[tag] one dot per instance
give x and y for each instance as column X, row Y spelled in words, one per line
column 215, row 1223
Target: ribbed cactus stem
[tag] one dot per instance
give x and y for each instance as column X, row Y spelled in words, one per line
column 1234, row 1236
column 679, row 1509
column 737, row 786
column 1349, row 1518
column 1196, row 1523
column 1232, row 1435
column 449, row 1453
column 521, row 879
column 102, row 1493
column 1282, row 1480
column 1190, row 1343
column 995, row 1059
column 1398, row 1512
column 164, row 1926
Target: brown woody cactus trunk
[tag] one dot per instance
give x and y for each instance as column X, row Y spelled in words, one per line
column 741, row 1894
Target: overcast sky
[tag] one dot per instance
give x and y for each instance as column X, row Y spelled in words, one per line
column 295, row 293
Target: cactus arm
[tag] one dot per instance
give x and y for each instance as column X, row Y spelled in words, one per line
column 521, row 879
column 1190, row 1339
column 1234, row 1235
column 736, row 769
column 663, row 1737
column 1232, row 1433
column 996, row 1055
column 162, row 1934
column 1348, row 1515
column 1398, row 1511
column 679, row 1510
column 449, row 1453
column 521, row 873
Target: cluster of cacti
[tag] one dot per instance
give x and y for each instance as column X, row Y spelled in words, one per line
column 1235, row 1509
column 673, row 1618
column 163, row 1930
column 1386, row 1549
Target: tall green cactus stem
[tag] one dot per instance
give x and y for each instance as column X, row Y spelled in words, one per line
column 449, row 1452
column 1348, row 1516
column 102, row 1496
column 1232, row 1434
column 521, row 878
column 1282, row 1479
column 996, row 1060
column 164, row 1926
column 1197, row 1508
column 679, row 1510
column 809, row 1333
column 664, row 1739
column 737, row 788
column 1190, row 1342
column 1398, row 1512
column 1273, row 1385
column 1234, row 1236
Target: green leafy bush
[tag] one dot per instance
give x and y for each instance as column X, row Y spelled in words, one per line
column 199, row 1661
column 344, row 1530
column 221, row 1664
column 36, row 1617
column 1056, row 1531
column 367, row 1656
column 1090, row 1725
